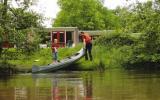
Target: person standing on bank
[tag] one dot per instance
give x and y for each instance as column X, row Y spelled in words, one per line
column 87, row 42
column 55, row 47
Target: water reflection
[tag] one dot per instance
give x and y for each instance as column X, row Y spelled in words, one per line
column 88, row 84
column 20, row 93
column 61, row 87
column 110, row 85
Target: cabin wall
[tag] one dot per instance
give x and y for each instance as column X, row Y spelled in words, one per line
column 71, row 36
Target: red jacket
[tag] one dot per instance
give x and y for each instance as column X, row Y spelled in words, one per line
column 55, row 46
column 87, row 38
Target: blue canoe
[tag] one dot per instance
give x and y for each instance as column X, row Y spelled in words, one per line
column 63, row 63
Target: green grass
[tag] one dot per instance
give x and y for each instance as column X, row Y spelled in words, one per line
column 103, row 58
column 43, row 57
column 135, row 35
column 106, row 58
column 98, row 57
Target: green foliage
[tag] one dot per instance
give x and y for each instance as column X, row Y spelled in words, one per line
column 98, row 62
column 141, row 18
column 115, row 39
column 85, row 14
column 23, row 19
column 16, row 24
column 115, row 48
column 106, row 58
column 103, row 58
column 44, row 56
column 27, row 40
column 111, row 50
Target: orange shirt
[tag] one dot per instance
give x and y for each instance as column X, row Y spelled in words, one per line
column 87, row 38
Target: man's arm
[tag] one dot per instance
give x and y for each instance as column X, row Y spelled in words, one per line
column 84, row 43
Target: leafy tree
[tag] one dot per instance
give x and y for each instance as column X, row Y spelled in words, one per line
column 144, row 18
column 15, row 21
column 24, row 19
column 85, row 14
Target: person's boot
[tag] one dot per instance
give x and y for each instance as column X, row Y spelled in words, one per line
column 86, row 56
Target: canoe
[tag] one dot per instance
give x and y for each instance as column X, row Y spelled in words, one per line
column 61, row 64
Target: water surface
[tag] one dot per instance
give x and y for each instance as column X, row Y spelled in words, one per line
column 108, row 85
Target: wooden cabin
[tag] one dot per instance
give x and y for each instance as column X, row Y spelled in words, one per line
column 66, row 36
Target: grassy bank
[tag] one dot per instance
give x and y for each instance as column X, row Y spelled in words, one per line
column 111, row 50
column 40, row 57
column 115, row 49
column 103, row 58
column 106, row 58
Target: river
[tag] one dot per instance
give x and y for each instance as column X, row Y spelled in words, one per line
column 84, row 85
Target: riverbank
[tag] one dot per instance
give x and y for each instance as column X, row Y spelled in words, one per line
column 105, row 56
column 110, row 51
column 43, row 57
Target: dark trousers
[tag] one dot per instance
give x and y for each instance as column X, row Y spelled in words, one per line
column 88, row 50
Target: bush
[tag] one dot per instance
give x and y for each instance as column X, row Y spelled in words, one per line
column 115, row 39
column 116, row 48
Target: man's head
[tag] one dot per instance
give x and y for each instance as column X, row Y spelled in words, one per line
column 82, row 33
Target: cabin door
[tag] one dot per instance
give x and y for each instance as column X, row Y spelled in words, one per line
column 60, row 36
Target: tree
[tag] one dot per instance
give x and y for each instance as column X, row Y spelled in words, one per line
column 23, row 19
column 85, row 14
column 15, row 21
column 144, row 18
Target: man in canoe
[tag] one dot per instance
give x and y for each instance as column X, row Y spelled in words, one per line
column 87, row 42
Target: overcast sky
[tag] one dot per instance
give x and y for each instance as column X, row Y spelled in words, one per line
column 49, row 8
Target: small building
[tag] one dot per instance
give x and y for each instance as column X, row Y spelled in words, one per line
column 66, row 36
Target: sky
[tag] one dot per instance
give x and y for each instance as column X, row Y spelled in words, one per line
column 112, row 4
column 49, row 8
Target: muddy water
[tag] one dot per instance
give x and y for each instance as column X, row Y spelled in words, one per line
column 108, row 85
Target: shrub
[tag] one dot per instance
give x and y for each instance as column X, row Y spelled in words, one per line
column 115, row 39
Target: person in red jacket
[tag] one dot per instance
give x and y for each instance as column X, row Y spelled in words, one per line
column 87, row 42
column 55, row 47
